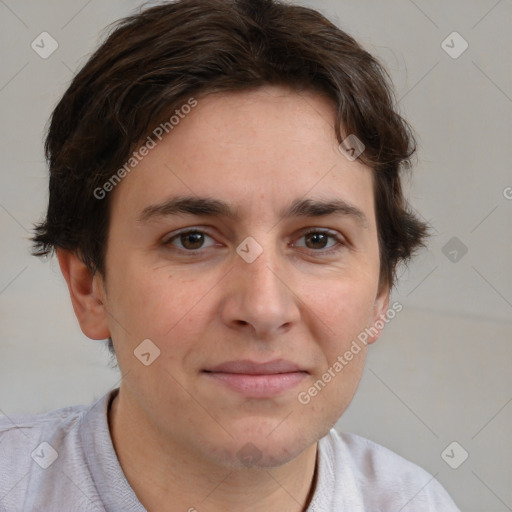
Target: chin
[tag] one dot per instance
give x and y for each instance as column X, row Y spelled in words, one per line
column 261, row 455
column 255, row 448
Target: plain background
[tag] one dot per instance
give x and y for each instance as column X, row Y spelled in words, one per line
column 441, row 370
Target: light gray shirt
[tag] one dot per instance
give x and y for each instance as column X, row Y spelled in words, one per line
column 64, row 460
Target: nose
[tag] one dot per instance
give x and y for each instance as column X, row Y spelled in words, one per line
column 259, row 297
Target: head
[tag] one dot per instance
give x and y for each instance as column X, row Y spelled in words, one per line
column 223, row 119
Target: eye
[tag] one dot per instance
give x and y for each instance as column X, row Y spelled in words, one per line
column 316, row 239
column 191, row 240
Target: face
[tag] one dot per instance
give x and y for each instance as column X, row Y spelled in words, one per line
column 248, row 300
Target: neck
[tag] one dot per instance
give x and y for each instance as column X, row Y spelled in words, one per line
column 161, row 472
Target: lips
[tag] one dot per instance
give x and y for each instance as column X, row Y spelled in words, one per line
column 257, row 380
column 252, row 368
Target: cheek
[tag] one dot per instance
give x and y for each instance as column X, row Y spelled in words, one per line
column 162, row 304
column 344, row 310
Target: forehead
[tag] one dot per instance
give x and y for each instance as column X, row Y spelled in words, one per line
column 269, row 146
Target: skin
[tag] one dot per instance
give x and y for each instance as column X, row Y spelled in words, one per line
column 177, row 434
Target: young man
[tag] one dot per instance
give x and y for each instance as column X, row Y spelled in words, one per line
column 226, row 209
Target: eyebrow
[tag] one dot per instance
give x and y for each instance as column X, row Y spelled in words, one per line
column 210, row 207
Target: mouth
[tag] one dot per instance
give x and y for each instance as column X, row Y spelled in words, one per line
column 257, row 380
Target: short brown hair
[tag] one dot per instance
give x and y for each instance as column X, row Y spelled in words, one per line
column 154, row 61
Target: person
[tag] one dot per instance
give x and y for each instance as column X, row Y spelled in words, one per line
column 226, row 208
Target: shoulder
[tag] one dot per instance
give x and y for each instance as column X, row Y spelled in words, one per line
column 9, row 423
column 374, row 462
column 20, row 429
column 29, row 446
column 385, row 481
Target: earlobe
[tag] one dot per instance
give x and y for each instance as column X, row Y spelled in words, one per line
column 87, row 295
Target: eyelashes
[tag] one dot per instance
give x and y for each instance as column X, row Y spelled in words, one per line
column 192, row 241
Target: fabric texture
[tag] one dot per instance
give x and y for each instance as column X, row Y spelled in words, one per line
column 65, row 460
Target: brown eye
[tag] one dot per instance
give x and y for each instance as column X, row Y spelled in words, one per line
column 317, row 240
column 191, row 240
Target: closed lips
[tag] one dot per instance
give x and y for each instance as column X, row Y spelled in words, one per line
column 247, row 367
column 257, row 380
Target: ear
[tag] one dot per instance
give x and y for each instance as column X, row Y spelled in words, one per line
column 87, row 295
column 379, row 315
